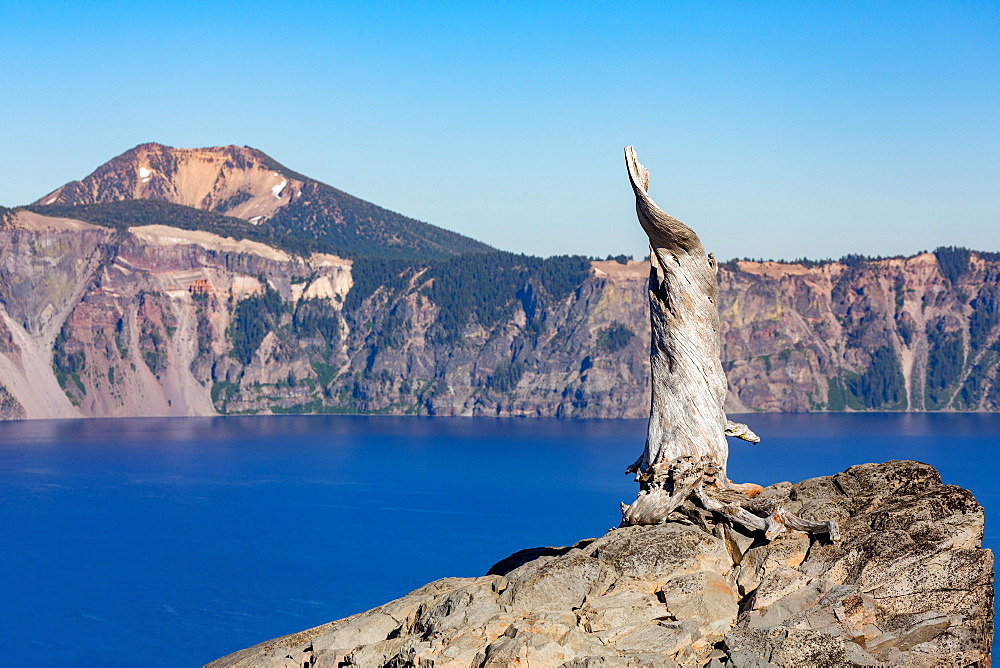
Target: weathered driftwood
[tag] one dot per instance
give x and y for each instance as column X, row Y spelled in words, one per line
column 686, row 450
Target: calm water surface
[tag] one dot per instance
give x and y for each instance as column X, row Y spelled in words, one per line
column 176, row 541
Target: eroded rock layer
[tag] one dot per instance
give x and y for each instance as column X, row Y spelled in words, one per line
column 908, row 584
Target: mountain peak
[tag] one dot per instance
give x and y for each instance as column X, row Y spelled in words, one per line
column 244, row 182
column 239, row 181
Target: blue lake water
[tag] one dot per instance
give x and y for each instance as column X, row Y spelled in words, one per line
column 175, row 541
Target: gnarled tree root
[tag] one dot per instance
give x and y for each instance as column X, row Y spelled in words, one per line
column 663, row 487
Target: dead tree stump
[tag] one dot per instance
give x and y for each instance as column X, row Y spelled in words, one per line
column 686, row 450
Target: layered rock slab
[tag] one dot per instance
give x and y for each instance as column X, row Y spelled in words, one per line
column 908, row 585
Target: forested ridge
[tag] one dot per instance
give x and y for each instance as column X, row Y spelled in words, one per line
column 480, row 288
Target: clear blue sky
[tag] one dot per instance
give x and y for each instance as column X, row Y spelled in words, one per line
column 775, row 129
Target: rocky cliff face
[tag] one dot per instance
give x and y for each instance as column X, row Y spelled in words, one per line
column 908, row 584
column 156, row 320
column 104, row 323
column 915, row 333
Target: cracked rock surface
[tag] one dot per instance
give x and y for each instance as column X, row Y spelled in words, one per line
column 908, row 584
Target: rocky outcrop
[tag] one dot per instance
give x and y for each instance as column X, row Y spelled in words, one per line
column 908, row 584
